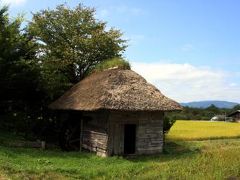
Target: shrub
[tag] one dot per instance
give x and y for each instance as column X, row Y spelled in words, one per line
column 167, row 123
column 112, row 63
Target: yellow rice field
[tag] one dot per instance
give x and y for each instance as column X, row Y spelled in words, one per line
column 200, row 130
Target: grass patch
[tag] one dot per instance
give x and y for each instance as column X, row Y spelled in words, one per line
column 112, row 63
column 212, row 159
column 202, row 130
column 205, row 159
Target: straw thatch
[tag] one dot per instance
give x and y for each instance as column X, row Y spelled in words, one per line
column 114, row 89
column 234, row 113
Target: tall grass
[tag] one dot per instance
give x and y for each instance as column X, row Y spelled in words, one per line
column 199, row 130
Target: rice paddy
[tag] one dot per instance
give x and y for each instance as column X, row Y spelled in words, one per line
column 200, row 130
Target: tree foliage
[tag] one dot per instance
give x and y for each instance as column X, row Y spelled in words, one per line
column 18, row 75
column 73, row 41
column 20, row 93
column 38, row 63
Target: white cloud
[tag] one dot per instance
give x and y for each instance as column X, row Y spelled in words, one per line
column 233, row 84
column 13, row 2
column 119, row 10
column 185, row 82
column 135, row 39
column 128, row 10
column 187, row 47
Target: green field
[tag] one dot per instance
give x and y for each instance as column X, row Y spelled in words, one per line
column 205, row 159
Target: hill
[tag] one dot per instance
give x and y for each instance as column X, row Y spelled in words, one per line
column 205, row 104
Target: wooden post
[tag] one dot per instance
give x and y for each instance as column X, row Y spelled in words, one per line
column 81, row 135
column 43, row 145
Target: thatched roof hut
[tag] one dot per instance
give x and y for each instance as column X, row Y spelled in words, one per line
column 235, row 116
column 115, row 89
column 122, row 106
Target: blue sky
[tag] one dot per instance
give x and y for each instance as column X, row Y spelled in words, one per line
column 189, row 49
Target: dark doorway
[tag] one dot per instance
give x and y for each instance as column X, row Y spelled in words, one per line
column 129, row 138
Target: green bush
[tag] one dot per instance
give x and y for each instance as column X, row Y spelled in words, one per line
column 112, row 63
column 167, row 123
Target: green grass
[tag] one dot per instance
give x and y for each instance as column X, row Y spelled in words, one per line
column 111, row 63
column 205, row 159
column 200, row 130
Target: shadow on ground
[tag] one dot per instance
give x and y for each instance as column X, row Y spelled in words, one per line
column 171, row 151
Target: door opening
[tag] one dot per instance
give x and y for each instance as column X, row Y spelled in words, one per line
column 129, row 138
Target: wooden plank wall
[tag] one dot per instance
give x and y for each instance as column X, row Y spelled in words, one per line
column 104, row 133
column 95, row 136
column 149, row 132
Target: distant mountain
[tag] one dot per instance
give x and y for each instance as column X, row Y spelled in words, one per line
column 205, row 104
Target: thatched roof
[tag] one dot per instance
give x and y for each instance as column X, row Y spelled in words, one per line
column 234, row 113
column 114, row 89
